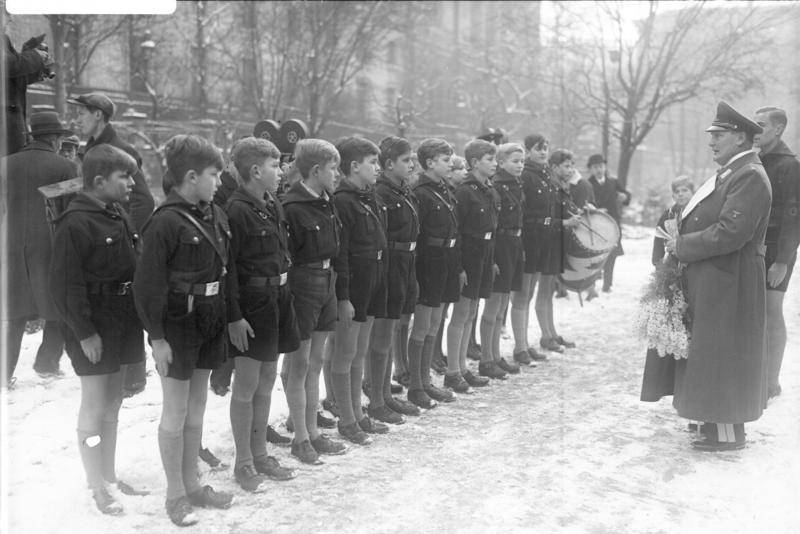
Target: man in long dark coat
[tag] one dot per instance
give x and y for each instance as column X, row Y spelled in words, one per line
column 721, row 241
column 29, row 245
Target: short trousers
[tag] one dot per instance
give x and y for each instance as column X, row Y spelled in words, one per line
column 198, row 337
column 401, row 282
column 543, row 251
column 477, row 258
column 367, row 288
column 769, row 259
column 314, row 292
column 115, row 320
column 437, row 275
column 508, row 257
column 270, row 313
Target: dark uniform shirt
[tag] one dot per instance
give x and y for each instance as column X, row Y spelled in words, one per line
column 175, row 253
column 512, row 200
column 363, row 232
column 313, row 226
column 783, row 232
column 259, row 243
column 437, row 209
column 94, row 244
column 401, row 209
column 540, row 198
column 477, row 207
column 141, row 203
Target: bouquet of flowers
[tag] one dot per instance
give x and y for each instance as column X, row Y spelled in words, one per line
column 663, row 318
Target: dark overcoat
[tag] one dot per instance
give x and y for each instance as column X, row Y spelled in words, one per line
column 22, row 69
column 722, row 242
column 29, row 237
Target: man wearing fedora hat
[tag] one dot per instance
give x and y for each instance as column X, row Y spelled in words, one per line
column 721, row 240
column 28, row 246
column 94, row 113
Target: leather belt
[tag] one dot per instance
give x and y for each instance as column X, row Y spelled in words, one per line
column 206, row 290
column 265, row 281
column 440, row 242
column 513, row 232
column 109, row 288
column 368, row 255
column 408, row 246
column 321, row 264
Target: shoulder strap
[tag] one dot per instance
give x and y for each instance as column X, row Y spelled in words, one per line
column 202, row 229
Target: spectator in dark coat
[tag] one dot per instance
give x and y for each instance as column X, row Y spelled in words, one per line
column 22, row 69
column 29, row 241
column 783, row 232
column 609, row 195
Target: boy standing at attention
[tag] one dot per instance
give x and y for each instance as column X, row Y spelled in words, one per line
column 682, row 191
column 360, row 282
column 261, row 318
column 313, row 241
column 477, row 206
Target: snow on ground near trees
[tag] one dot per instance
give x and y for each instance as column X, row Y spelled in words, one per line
column 564, row 447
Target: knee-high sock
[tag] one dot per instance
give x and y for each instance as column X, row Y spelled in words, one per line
column 473, row 341
column 192, row 436
column 440, row 334
column 326, row 375
column 415, row 363
column 341, row 392
column 387, row 380
column 242, row 426
column 356, row 374
column 465, row 340
column 170, row 445
column 427, row 356
column 455, row 335
column 377, row 367
column 498, row 327
column 519, row 325
column 108, row 446
column 258, row 437
column 401, row 355
column 90, row 447
column 487, row 337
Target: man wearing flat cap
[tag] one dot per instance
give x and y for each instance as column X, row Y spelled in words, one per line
column 722, row 382
column 29, row 248
column 94, row 113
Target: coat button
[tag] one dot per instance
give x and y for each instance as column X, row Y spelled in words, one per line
column 196, row 239
column 263, row 232
column 109, row 241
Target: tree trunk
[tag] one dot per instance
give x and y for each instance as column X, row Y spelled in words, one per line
column 200, row 56
column 58, row 31
column 626, row 153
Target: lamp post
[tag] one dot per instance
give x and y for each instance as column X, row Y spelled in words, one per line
column 146, row 47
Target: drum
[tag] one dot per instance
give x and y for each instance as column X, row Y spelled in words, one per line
column 586, row 248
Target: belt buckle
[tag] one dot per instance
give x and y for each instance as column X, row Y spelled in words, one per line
column 487, row 236
column 124, row 288
column 412, row 246
column 380, row 254
column 547, row 221
column 212, row 289
column 326, row 263
column 284, row 278
column 451, row 243
column 517, row 232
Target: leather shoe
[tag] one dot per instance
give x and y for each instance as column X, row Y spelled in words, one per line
column 213, row 462
column 249, row 479
column 331, row 407
column 270, row 467
column 491, row 370
column 372, row 427
column 456, row 382
column 561, row 341
column 439, row 394
column 475, row 381
column 386, row 415
column 277, row 439
column 421, row 399
column 401, row 406
column 535, row 355
column 353, row 433
column 403, row 379
column 508, row 367
column 439, row 364
column 180, row 511
column 324, row 422
column 550, row 344
column 305, row 453
column 474, row 353
column 325, row 445
column 396, row 389
column 207, row 497
column 523, row 357
column 105, row 502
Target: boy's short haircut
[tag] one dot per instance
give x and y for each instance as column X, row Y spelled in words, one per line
column 682, row 181
column 252, row 151
column 776, row 115
column 354, row 149
column 311, row 152
column 431, row 149
column 102, row 160
column 477, row 149
column 535, row 141
column 559, row 156
column 458, row 163
column 505, row 150
column 185, row 153
column 391, row 148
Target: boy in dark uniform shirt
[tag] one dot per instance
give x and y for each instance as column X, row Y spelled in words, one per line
column 360, row 282
column 439, row 271
column 179, row 293
column 401, row 278
column 94, row 257
column 313, row 242
column 477, row 206
column 261, row 318
column 507, row 256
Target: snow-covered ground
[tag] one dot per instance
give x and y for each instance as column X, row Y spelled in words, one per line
column 564, row 447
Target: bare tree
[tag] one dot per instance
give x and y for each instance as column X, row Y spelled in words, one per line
column 675, row 56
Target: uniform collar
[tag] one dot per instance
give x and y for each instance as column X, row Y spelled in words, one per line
column 471, row 180
column 504, row 176
column 401, row 189
column 243, row 194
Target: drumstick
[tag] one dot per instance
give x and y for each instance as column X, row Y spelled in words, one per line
column 601, row 236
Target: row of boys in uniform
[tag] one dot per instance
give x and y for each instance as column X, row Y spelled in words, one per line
column 261, row 278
